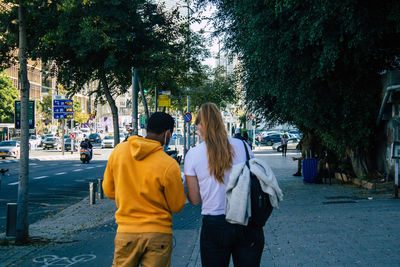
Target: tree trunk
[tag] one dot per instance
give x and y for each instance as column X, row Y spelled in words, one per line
column 113, row 107
column 22, row 227
column 146, row 107
column 359, row 162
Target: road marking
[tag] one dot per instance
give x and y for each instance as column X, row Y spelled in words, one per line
column 52, row 260
column 89, row 167
column 99, row 166
column 60, row 173
column 32, row 164
column 79, row 180
column 40, row 177
column 13, row 183
column 77, row 170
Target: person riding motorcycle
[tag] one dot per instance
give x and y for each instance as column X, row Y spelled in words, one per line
column 88, row 145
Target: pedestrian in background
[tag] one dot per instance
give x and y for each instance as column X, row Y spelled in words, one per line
column 284, row 140
column 238, row 134
column 207, row 168
column 147, row 187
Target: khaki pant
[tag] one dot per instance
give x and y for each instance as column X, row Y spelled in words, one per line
column 147, row 249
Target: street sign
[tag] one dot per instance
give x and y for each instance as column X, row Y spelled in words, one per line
column 31, row 114
column 63, row 108
column 188, row 117
column 164, row 101
column 72, row 136
column 174, row 137
column 142, row 121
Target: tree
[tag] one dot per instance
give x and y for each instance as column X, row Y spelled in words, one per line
column 43, row 113
column 79, row 116
column 219, row 88
column 316, row 65
column 8, row 94
column 102, row 40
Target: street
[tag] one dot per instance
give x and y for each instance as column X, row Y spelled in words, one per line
column 54, row 182
column 316, row 225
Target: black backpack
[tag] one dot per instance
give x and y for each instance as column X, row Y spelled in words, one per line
column 261, row 207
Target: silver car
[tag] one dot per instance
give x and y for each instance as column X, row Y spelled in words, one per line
column 291, row 144
column 9, row 149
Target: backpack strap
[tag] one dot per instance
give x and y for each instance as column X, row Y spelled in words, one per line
column 247, row 154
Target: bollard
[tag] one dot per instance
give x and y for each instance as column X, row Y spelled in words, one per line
column 11, row 226
column 100, row 193
column 92, row 196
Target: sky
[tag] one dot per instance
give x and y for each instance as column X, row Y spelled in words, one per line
column 213, row 46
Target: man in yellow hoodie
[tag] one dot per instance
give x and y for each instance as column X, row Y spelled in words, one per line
column 147, row 187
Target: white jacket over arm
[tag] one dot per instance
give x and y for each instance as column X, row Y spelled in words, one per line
column 237, row 202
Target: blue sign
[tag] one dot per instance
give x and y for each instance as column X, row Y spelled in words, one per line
column 63, row 109
column 188, row 117
column 174, row 136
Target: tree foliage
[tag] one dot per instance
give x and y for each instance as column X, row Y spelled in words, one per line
column 316, row 64
column 8, row 94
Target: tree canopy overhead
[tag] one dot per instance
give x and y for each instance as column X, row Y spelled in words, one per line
column 315, row 64
column 8, row 94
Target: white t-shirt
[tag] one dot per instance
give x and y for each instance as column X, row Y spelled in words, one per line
column 211, row 191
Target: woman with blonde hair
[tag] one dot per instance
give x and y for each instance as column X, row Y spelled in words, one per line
column 207, row 168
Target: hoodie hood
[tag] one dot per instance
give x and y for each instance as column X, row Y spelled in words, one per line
column 141, row 147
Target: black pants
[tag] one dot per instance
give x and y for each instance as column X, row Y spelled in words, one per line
column 284, row 150
column 220, row 239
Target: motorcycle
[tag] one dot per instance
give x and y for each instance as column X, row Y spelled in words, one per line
column 85, row 155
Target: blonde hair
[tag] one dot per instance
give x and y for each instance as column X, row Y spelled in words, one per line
column 219, row 150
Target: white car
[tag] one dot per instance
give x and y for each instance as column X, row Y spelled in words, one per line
column 108, row 141
column 34, row 141
column 9, row 149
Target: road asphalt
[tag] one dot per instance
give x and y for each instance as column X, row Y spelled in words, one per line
column 316, row 225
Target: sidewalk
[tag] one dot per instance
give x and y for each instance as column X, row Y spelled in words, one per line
column 316, row 225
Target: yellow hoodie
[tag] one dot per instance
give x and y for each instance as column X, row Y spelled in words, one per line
column 146, row 185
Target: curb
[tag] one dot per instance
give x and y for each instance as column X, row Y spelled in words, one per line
column 194, row 259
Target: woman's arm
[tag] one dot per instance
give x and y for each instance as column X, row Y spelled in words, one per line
column 193, row 190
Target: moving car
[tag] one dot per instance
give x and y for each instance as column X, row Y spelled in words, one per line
column 9, row 149
column 52, row 143
column 291, row 144
column 95, row 138
column 108, row 141
column 67, row 145
column 34, row 141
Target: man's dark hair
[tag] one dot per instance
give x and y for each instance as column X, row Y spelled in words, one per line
column 160, row 122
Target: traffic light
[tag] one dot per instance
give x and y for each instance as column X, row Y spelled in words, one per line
column 92, row 116
column 257, row 122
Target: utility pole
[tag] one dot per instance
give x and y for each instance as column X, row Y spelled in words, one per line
column 22, row 227
column 134, row 102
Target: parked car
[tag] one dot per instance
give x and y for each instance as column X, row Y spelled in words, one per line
column 67, row 145
column 269, row 140
column 52, row 143
column 9, row 149
column 95, row 138
column 291, row 144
